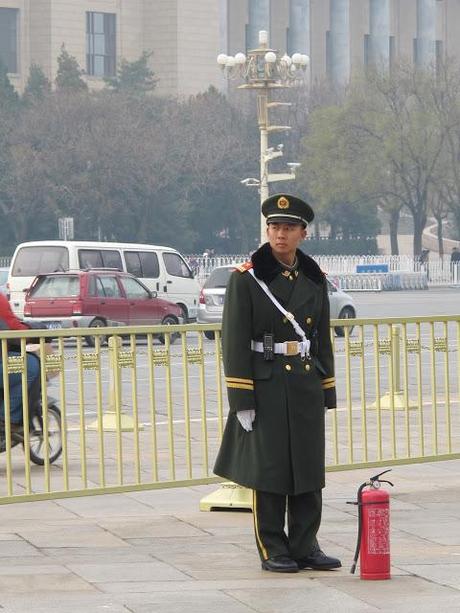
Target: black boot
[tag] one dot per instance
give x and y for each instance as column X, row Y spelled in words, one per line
column 318, row 560
column 280, row 564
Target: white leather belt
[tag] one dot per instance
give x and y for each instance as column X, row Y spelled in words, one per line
column 286, row 348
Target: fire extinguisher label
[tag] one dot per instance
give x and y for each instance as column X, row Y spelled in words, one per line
column 378, row 531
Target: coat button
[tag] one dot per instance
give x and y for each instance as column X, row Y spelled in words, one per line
column 288, row 367
column 307, row 367
column 285, row 320
column 308, row 320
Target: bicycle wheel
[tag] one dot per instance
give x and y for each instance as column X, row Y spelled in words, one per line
column 37, row 445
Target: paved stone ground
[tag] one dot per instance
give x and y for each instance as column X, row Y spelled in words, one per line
column 155, row 551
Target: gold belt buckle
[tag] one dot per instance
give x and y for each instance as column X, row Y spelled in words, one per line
column 292, row 347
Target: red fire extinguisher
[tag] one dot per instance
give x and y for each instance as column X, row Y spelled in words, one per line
column 373, row 543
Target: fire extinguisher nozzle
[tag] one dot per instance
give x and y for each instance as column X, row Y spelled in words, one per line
column 353, row 568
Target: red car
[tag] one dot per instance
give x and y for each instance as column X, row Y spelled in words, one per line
column 96, row 298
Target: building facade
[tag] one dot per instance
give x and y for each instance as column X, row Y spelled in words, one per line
column 340, row 36
column 184, row 37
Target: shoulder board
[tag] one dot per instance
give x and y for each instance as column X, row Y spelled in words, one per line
column 244, row 267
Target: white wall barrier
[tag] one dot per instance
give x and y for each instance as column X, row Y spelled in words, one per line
column 404, row 272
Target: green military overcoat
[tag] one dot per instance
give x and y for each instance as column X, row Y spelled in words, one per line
column 284, row 453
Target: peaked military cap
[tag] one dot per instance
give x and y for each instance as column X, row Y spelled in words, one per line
column 283, row 208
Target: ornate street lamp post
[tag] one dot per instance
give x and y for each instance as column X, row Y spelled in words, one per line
column 264, row 69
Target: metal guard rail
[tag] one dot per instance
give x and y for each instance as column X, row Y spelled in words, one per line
column 143, row 415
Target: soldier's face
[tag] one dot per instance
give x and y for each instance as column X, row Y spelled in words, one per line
column 284, row 238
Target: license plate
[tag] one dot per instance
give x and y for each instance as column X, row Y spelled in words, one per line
column 53, row 325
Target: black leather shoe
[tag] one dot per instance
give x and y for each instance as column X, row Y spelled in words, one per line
column 280, row 564
column 318, row 560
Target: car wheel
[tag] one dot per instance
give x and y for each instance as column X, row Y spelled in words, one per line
column 347, row 312
column 91, row 340
column 209, row 335
column 169, row 320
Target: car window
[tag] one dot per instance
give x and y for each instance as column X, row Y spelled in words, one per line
column 142, row 264
column 107, row 285
column 133, row 263
column 32, row 261
column 90, row 258
column 176, row 266
column 219, row 277
column 99, row 258
column 111, row 259
column 133, row 289
column 331, row 288
column 100, row 291
column 150, row 265
column 56, row 286
column 95, row 287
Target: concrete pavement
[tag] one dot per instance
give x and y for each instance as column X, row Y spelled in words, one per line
column 155, row 551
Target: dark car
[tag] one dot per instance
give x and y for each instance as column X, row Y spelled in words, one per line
column 96, row 298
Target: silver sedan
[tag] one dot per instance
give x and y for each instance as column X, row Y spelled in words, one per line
column 212, row 296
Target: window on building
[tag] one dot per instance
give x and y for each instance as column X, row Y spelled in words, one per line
column 101, row 48
column 9, row 38
column 415, row 51
column 439, row 55
column 366, row 53
column 328, row 54
column 392, row 51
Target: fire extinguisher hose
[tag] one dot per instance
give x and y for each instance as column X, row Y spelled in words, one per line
column 360, row 523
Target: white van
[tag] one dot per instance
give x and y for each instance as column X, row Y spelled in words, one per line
column 161, row 269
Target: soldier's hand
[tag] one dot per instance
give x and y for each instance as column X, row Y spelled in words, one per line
column 246, row 419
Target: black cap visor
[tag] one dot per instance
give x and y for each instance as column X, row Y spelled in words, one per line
column 286, row 218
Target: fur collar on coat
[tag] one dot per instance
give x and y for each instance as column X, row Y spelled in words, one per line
column 267, row 267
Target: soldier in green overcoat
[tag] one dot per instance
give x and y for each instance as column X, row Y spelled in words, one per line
column 279, row 372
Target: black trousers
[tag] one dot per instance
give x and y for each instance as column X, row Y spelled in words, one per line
column 303, row 521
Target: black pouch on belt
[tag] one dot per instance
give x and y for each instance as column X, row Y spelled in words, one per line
column 269, row 346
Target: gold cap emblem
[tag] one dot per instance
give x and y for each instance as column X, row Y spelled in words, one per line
column 283, row 203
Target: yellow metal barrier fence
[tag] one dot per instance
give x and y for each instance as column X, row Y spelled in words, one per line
column 145, row 407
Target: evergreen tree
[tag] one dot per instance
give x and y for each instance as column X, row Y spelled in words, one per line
column 134, row 77
column 69, row 73
column 9, row 99
column 38, row 85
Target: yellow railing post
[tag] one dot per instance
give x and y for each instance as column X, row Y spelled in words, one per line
column 395, row 399
column 396, row 357
column 114, row 411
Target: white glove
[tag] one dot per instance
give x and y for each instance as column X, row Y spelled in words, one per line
column 246, row 419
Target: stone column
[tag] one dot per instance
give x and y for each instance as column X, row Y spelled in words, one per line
column 426, row 32
column 379, row 33
column 299, row 27
column 259, row 19
column 340, row 41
